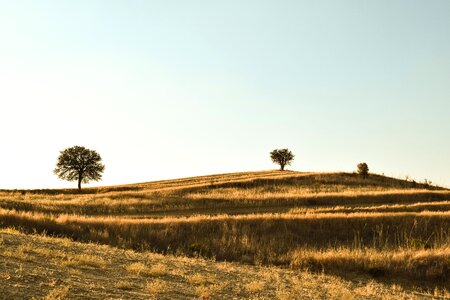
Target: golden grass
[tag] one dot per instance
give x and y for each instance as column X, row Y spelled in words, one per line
column 26, row 251
column 431, row 265
column 137, row 268
column 440, row 206
column 305, row 220
column 85, row 260
column 292, row 192
column 156, row 287
column 58, row 293
column 270, row 238
column 40, row 278
column 208, row 291
column 158, row 270
column 144, row 270
column 224, row 192
column 124, row 285
column 199, row 279
column 255, row 286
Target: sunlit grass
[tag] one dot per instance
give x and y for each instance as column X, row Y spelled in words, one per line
column 324, row 222
column 224, row 192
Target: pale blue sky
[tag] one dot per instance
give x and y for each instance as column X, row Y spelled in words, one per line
column 166, row 89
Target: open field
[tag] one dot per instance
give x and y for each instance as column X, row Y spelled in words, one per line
column 390, row 230
column 54, row 268
column 229, row 193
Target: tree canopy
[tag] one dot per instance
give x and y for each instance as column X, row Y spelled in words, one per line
column 363, row 169
column 282, row 157
column 79, row 164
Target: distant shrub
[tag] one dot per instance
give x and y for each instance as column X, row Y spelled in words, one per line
column 427, row 183
column 363, row 169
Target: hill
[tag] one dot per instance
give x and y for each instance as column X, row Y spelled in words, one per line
column 40, row 267
column 392, row 230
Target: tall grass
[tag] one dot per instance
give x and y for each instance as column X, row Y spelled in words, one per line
column 324, row 220
column 431, row 266
column 238, row 193
column 408, row 207
column 264, row 238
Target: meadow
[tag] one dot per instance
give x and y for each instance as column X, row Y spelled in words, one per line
column 390, row 230
column 42, row 267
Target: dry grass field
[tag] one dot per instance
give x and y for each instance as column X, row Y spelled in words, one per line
column 40, row 267
column 341, row 231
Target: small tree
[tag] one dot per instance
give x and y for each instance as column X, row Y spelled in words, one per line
column 363, row 169
column 79, row 164
column 282, row 157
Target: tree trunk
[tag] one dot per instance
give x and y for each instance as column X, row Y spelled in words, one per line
column 282, row 167
column 79, row 183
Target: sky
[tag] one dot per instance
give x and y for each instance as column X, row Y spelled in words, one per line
column 169, row 89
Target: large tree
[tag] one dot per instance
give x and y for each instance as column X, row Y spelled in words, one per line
column 282, row 157
column 79, row 164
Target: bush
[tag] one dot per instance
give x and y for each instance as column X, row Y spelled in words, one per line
column 363, row 169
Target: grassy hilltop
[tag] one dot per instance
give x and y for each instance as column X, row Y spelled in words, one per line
column 393, row 231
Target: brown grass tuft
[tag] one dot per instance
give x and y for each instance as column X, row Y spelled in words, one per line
column 58, row 293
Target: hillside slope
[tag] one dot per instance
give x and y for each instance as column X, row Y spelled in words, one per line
column 235, row 193
column 392, row 230
column 50, row 268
